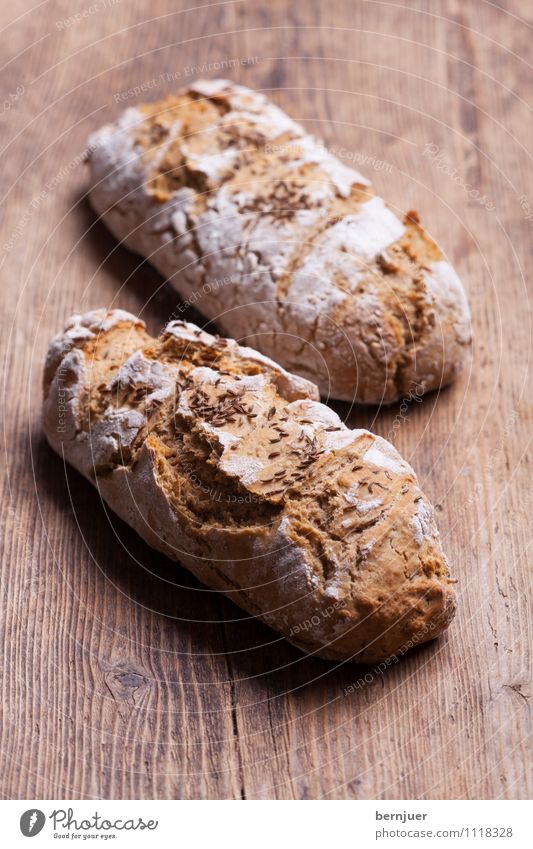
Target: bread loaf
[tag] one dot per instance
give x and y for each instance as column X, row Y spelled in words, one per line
column 268, row 234
column 225, row 462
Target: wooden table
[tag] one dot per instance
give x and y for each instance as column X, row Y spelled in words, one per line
column 119, row 678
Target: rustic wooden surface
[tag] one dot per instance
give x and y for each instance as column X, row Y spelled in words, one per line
column 119, row 677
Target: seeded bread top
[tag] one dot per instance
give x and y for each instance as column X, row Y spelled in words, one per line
column 223, row 460
column 270, row 235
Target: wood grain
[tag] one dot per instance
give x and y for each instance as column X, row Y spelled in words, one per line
column 122, row 677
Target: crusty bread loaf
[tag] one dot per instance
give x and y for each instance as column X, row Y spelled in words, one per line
column 265, row 232
column 222, row 460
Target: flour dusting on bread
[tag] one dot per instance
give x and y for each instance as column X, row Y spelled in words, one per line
column 229, row 464
column 280, row 243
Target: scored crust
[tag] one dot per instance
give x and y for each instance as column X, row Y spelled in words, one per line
column 225, row 462
column 254, row 222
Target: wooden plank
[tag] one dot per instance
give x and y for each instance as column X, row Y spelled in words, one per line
column 121, row 676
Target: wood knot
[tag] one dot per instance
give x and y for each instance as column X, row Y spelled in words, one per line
column 126, row 684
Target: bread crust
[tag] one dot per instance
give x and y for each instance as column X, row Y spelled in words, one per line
column 225, row 462
column 254, row 222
